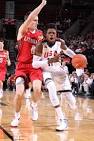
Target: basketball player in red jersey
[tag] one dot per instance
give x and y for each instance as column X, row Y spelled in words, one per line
column 28, row 36
column 4, row 61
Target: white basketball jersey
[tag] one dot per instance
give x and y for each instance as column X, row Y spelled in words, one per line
column 49, row 52
column 55, row 71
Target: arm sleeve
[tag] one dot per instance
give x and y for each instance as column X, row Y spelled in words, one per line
column 39, row 63
column 69, row 52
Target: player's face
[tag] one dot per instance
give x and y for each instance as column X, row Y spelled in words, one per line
column 33, row 24
column 1, row 45
column 51, row 35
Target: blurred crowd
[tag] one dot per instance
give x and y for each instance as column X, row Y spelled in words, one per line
column 83, row 84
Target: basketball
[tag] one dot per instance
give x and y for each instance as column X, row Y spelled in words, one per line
column 79, row 61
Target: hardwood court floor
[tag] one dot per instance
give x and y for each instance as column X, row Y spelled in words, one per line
column 80, row 122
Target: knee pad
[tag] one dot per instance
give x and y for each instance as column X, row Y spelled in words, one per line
column 19, row 81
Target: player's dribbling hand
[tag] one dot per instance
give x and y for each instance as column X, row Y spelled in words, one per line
column 44, row 2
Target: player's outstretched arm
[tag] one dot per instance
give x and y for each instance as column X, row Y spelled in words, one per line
column 23, row 28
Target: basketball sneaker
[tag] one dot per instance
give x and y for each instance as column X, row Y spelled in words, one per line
column 34, row 112
column 61, row 124
column 15, row 122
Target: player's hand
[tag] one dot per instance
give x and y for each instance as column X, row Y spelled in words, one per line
column 44, row 2
column 53, row 60
column 59, row 39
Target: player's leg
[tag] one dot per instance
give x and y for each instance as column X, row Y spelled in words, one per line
column 66, row 89
column 2, row 78
column 18, row 100
column 1, row 89
column 36, row 78
column 27, row 95
column 55, row 101
column 35, row 98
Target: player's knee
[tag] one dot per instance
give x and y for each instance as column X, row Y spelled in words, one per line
column 19, row 86
column 37, row 87
column 19, row 81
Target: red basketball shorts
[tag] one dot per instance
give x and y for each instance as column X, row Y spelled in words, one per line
column 26, row 70
column 2, row 74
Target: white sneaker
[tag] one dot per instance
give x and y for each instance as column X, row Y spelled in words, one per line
column 34, row 112
column 15, row 122
column 61, row 125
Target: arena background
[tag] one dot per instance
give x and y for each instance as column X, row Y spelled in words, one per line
column 74, row 20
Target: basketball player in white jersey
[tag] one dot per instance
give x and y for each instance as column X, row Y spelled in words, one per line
column 47, row 57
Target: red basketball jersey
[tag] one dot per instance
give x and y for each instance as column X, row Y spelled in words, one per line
column 26, row 44
column 3, row 59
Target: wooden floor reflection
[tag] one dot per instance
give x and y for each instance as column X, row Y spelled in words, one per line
column 80, row 122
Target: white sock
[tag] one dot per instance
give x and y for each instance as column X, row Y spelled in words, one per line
column 34, row 104
column 59, row 113
column 27, row 100
column 17, row 115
